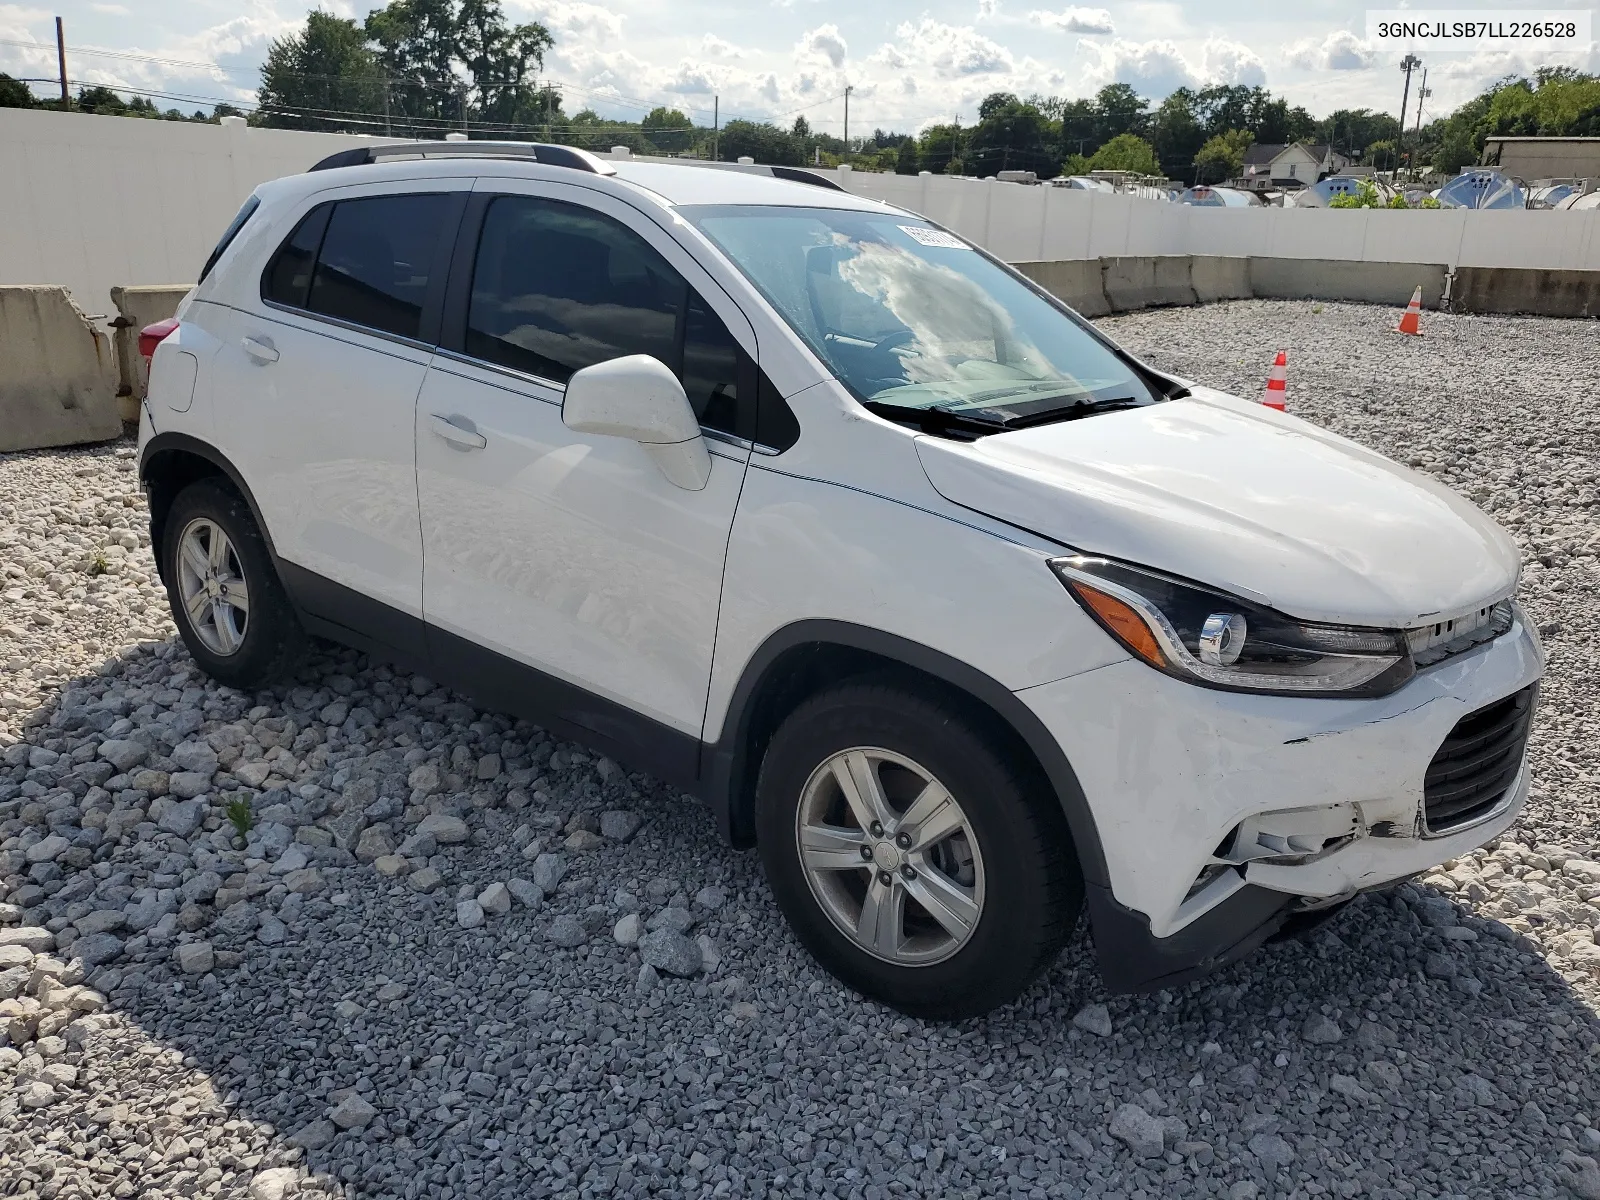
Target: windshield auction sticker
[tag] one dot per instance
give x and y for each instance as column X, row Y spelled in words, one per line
column 1458, row 29
column 934, row 237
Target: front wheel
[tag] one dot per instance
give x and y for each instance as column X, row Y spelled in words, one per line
column 911, row 857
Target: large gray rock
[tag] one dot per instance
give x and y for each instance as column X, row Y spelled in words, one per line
column 183, row 818
column 186, row 785
column 124, row 755
column 444, row 828
column 47, row 849
column 196, row 757
column 548, row 871
column 1142, row 1132
column 353, row 1112
column 668, row 950
column 97, row 949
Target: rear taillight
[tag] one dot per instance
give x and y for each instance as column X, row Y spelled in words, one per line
column 152, row 336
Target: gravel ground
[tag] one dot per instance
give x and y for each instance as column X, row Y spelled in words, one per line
column 457, row 958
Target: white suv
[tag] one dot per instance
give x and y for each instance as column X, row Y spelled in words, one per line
column 962, row 615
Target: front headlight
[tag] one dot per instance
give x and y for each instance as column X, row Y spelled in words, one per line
column 1211, row 638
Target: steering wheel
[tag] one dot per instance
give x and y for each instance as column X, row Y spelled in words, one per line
column 898, row 338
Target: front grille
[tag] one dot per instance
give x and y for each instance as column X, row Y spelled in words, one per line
column 1469, row 775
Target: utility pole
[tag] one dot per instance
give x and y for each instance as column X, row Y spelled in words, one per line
column 388, row 129
column 1408, row 64
column 1423, row 93
column 716, row 124
column 549, row 97
column 847, row 90
column 61, row 59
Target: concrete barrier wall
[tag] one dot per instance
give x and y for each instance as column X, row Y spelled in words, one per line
column 137, row 307
column 1540, row 293
column 1076, row 284
column 1214, row 277
column 1147, row 282
column 58, row 385
column 1335, row 279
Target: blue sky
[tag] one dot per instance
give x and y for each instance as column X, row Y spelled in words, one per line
column 909, row 63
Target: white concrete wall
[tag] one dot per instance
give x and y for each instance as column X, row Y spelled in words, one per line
column 93, row 202
column 1046, row 224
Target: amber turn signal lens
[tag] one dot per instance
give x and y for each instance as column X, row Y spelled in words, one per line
column 1123, row 620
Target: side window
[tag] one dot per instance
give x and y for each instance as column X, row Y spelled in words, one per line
column 231, row 232
column 711, row 370
column 288, row 275
column 556, row 288
column 375, row 258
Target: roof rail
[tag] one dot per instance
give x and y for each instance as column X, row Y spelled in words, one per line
column 549, row 155
column 540, row 152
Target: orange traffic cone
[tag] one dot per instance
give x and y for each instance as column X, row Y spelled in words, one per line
column 1411, row 320
column 1278, row 383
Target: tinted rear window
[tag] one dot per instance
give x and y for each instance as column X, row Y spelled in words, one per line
column 375, row 260
column 288, row 276
column 231, row 232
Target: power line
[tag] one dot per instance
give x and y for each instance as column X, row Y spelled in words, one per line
column 420, row 84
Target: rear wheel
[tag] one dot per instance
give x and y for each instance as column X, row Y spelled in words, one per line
column 911, row 858
column 226, row 598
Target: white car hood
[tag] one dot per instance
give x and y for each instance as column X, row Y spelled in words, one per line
column 1229, row 493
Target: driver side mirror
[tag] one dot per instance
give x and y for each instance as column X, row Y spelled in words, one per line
column 639, row 397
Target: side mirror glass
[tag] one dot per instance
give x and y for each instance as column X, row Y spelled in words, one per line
column 639, row 397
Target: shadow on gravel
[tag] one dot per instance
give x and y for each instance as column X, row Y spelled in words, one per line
column 1407, row 1050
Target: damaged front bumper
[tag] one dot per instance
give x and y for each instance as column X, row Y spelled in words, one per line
column 1221, row 816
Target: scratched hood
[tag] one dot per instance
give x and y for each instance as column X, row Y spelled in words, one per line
column 1229, row 493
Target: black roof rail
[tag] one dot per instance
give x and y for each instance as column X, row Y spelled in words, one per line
column 796, row 175
column 540, row 152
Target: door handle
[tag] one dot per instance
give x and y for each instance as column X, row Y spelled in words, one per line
column 458, row 435
column 260, row 349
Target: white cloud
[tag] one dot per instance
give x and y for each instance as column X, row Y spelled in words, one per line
column 716, row 47
column 1075, row 20
column 823, row 42
column 1341, row 50
column 572, row 20
column 110, row 10
column 1231, row 62
column 950, row 49
column 690, row 79
column 1155, row 69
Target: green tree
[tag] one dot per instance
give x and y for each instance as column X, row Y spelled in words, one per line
column 669, row 130
column 1074, row 164
column 1012, row 136
column 1079, row 125
column 1118, row 109
column 14, row 94
column 323, row 77
column 1177, row 134
column 499, row 57
column 905, row 162
column 762, row 141
column 102, row 101
column 1351, row 130
column 1222, row 156
column 938, row 147
column 1365, row 196
column 1126, row 152
column 1383, row 156
column 1454, row 152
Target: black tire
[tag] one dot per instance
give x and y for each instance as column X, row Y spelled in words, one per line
column 272, row 644
column 1033, row 887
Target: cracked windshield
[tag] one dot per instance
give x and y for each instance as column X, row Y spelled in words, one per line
column 912, row 317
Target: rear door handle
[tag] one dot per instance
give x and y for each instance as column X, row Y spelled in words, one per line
column 456, row 431
column 260, row 349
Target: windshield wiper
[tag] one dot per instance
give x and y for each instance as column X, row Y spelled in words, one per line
column 1071, row 412
column 936, row 420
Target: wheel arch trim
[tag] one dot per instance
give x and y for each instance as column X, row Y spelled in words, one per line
column 728, row 776
column 172, row 443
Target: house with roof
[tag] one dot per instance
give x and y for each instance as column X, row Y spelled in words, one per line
column 1290, row 167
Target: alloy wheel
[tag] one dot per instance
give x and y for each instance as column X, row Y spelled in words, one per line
column 890, row 856
column 212, row 586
